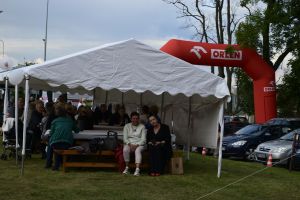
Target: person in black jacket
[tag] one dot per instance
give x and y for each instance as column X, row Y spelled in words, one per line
column 34, row 126
column 120, row 117
column 49, row 116
column 159, row 146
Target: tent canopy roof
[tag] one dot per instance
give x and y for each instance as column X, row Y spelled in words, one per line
column 126, row 65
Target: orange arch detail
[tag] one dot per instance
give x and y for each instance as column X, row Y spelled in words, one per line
column 263, row 75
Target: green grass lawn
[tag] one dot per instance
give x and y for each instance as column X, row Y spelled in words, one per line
column 199, row 179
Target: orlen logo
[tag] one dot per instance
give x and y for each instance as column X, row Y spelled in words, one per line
column 197, row 49
column 220, row 54
column 270, row 89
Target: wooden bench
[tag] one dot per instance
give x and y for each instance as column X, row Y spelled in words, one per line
column 101, row 159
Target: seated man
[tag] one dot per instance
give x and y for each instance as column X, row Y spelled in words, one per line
column 120, row 117
column 134, row 139
column 101, row 115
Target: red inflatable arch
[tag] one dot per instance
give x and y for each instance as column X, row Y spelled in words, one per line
column 215, row 55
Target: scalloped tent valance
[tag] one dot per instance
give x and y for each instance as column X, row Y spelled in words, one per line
column 127, row 65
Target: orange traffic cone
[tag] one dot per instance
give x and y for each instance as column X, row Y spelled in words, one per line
column 269, row 163
column 203, row 151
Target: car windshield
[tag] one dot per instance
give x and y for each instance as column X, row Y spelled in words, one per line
column 274, row 122
column 249, row 130
column 295, row 123
column 290, row 135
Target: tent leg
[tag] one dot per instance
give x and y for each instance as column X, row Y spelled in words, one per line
column 162, row 105
column 16, row 121
column 106, row 97
column 189, row 129
column 94, row 94
column 5, row 104
column 221, row 122
column 22, row 165
column 188, row 147
column 25, row 122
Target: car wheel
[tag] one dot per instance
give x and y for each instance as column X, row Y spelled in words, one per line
column 288, row 163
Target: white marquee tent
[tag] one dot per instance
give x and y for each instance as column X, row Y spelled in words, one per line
column 136, row 74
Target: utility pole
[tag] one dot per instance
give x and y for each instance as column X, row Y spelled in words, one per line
column 46, row 33
column 49, row 93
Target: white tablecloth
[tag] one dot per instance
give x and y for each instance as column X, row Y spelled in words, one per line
column 106, row 127
column 90, row 134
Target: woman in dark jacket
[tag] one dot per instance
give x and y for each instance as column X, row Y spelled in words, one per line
column 159, row 146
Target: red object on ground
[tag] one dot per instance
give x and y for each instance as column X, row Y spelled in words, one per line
column 119, row 158
column 269, row 163
column 263, row 75
column 203, row 151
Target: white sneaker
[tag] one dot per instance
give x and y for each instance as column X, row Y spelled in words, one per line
column 126, row 170
column 137, row 172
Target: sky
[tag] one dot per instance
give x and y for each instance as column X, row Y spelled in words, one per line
column 75, row 25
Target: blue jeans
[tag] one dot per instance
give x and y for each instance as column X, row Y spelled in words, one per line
column 58, row 158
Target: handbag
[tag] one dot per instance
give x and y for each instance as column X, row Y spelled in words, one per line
column 96, row 144
column 111, row 140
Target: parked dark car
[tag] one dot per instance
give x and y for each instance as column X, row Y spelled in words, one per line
column 234, row 123
column 244, row 141
column 292, row 123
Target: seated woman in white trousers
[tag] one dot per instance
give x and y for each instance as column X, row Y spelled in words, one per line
column 134, row 137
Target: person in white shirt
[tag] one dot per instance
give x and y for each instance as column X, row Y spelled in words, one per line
column 134, row 137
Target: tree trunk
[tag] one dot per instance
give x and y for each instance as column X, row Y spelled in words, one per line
column 229, row 72
column 266, row 33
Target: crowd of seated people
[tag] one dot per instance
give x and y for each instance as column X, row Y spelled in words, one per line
column 141, row 130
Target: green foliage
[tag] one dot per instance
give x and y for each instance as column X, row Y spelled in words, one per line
column 244, row 92
column 273, row 29
column 26, row 64
column 230, row 49
column 247, row 35
column 288, row 99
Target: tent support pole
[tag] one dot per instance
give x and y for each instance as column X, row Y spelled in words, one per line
column 17, row 120
column 221, row 122
column 25, row 121
column 94, row 95
column 189, row 129
column 122, row 98
column 106, row 97
column 172, row 121
column 162, row 104
column 5, row 106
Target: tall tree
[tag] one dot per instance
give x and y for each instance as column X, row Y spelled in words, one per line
column 216, row 29
column 271, row 27
column 276, row 27
column 289, row 92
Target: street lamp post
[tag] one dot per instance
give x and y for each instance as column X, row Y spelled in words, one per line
column 46, row 33
column 2, row 47
column 1, row 11
column 49, row 93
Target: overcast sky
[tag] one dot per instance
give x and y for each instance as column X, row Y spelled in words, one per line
column 76, row 25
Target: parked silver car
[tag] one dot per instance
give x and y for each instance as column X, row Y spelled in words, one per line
column 281, row 149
